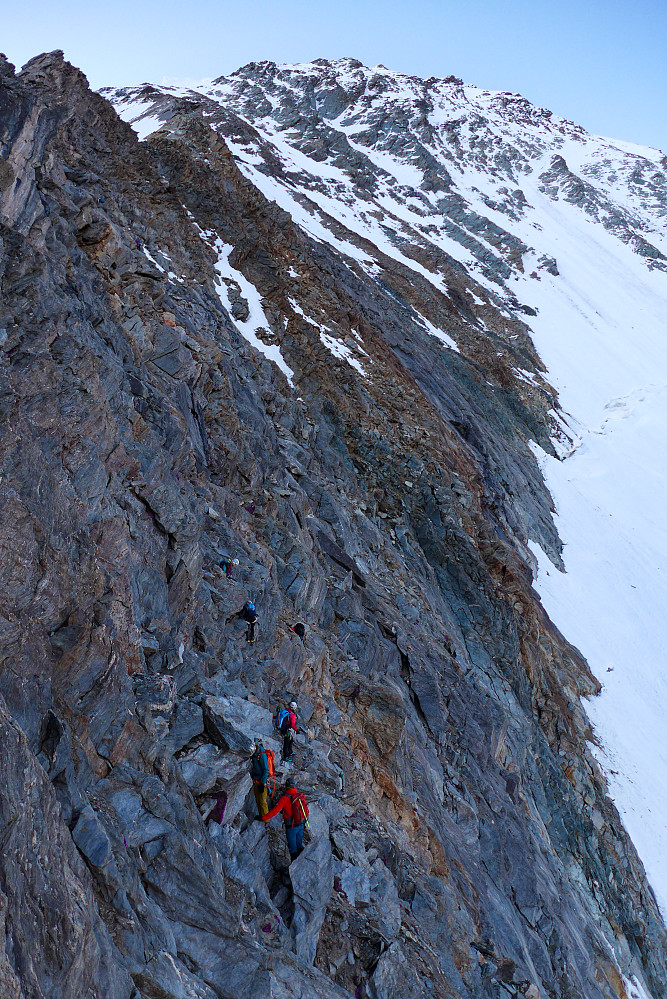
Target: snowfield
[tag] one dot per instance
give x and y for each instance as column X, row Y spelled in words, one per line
column 600, row 328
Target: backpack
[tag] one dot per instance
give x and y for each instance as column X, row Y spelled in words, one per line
column 281, row 720
column 271, row 763
column 300, row 810
column 249, row 606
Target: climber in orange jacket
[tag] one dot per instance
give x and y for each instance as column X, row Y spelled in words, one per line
column 294, row 807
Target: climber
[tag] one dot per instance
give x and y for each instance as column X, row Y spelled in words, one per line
column 260, row 773
column 295, row 811
column 248, row 614
column 284, row 722
column 300, row 630
column 228, row 565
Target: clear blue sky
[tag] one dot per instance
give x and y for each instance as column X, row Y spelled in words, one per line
column 602, row 64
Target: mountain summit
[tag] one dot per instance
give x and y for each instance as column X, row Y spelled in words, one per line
column 316, row 338
column 426, row 167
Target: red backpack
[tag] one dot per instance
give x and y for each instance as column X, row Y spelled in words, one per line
column 300, row 811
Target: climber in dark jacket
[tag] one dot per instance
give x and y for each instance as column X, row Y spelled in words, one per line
column 249, row 615
column 259, row 771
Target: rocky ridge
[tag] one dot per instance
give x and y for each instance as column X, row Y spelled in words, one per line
column 189, row 373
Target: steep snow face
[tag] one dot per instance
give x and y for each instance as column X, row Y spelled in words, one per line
column 567, row 231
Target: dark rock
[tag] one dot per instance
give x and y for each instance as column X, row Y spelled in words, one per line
column 236, row 724
column 186, row 723
column 91, row 838
column 312, row 876
column 394, row 976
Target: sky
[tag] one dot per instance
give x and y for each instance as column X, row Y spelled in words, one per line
column 599, row 64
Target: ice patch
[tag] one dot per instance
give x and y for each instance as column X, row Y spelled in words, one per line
column 152, row 259
column 439, row 334
column 257, row 318
column 337, row 347
column 340, row 349
column 135, row 113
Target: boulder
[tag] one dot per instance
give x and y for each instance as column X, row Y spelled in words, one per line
column 394, row 976
column 353, row 882
column 386, row 904
column 186, row 722
column 235, row 724
column 312, row 877
column 166, row 976
column 350, row 845
column 257, row 842
column 209, row 769
column 241, row 864
column 91, row 838
column 139, row 825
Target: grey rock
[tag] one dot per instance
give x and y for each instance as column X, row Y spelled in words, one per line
column 244, row 864
column 386, row 904
column 168, row 977
column 131, row 406
column 209, row 770
column 312, row 882
column 394, row 976
column 349, row 843
column 236, row 724
column 354, row 883
column 138, row 824
column 91, row 838
column 40, row 862
column 186, row 723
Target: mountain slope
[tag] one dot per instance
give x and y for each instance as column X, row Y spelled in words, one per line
column 560, row 229
column 190, row 373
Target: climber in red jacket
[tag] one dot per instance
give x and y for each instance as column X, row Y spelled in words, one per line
column 294, row 807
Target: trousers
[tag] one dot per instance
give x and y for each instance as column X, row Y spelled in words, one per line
column 294, row 839
column 260, row 798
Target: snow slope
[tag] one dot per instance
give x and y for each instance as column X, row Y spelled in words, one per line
column 570, row 230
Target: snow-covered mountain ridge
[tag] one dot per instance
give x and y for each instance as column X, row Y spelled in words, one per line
column 562, row 229
column 440, row 164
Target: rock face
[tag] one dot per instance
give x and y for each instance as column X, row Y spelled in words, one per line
column 178, row 388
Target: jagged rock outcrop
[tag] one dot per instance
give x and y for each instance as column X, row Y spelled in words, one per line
column 462, row 842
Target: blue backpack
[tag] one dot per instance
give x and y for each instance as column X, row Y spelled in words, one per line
column 250, row 606
column 281, row 720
